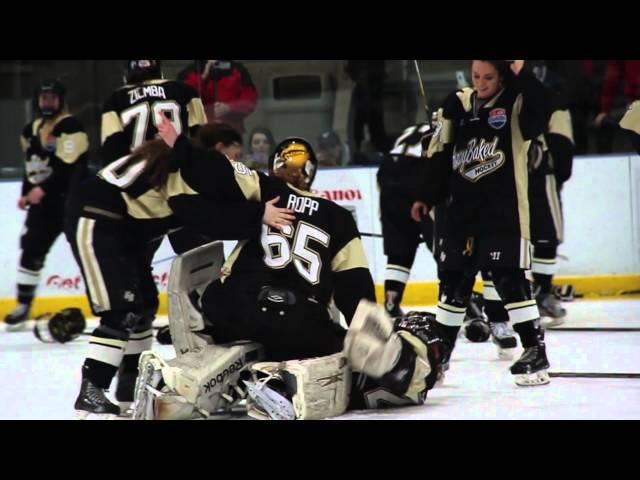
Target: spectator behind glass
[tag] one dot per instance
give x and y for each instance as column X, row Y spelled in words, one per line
column 332, row 152
column 610, row 112
column 226, row 89
column 367, row 105
column 260, row 147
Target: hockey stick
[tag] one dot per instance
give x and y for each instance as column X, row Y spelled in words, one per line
column 362, row 234
column 88, row 334
column 592, row 375
column 423, row 93
column 594, row 329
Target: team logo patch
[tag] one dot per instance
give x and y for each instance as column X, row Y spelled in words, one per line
column 497, row 118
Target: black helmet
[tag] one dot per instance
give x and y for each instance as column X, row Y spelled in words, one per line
column 61, row 327
column 294, row 161
column 140, row 70
column 476, row 330
column 54, row 87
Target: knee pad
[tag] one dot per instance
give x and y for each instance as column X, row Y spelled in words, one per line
column 32, row 262
column 512, row 285
column 143, row 322
column 456, row 288
column 122, row 322
column 405, row 261
column 546, row 250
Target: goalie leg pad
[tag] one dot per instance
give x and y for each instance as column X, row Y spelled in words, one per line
column 310, row 389
column 207, row 380
column 190, row 274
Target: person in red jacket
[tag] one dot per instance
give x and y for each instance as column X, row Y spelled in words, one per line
column 226, row 89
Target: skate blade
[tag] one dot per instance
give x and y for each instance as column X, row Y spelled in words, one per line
column 274, row 405
column 16, row 327
column 550, row 322
column 505, row 353
column 533, row 379
column 440, row 377
column 83, row 415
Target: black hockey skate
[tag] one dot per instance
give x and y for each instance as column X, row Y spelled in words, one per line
column 92, row 400
column 164, row 336
column 16, row 319
column 551, row 309
column 531, row 369
column 503, row 336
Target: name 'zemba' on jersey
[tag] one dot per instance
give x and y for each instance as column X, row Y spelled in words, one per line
column 131, row 114
column 144, row 92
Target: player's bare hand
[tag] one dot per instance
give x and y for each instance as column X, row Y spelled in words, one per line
column 23, row 203
column 35, row 196
column 166, row 130
column 419, row 210
column 277, row 217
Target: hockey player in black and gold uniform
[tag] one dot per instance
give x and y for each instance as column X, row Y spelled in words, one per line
column 115, row 224
column 130, row 115
column 550, row 166
column 477, row 163
column 397, row 180
column 55, row 146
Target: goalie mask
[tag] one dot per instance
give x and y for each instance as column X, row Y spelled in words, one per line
column 140, row 70
column 295, row 162
column 49, row 98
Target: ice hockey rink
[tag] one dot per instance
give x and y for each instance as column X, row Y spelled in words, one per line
column 596, row 353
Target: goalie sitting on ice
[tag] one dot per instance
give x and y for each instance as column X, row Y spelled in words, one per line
column 263, row 332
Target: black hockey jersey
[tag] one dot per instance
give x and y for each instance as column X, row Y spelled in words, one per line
column 129, row 116
column 56, row 154
column 477, row 159
column 401, row 167
column 319, row 255
column 121, row 191
column 552, row 152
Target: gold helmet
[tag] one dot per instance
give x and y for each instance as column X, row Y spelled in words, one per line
column 295, row 162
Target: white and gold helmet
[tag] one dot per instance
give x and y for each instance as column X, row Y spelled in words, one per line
column 294, row 161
